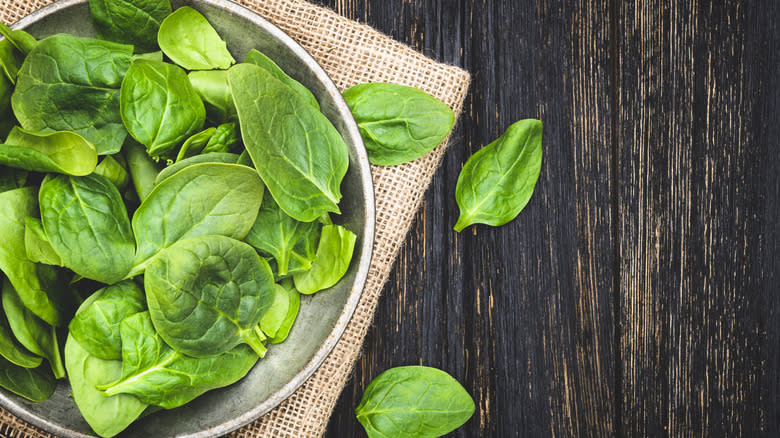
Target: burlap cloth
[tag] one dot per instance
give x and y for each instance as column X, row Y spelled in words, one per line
column 351, row 53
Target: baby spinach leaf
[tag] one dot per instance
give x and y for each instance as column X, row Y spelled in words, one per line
column 11, row 60
column 34, row 384
column 259, row 59
column 96, row 324
column 398, row 123
column 296, row 150
column 188, row 39
column 293, row 306
column 37, row 245
column 12, row 350
column 19, row 38
column 414, row 401
column 133, row 22
column 225, row 139
column 72, row 84
column 151, row 56
column 280, row 316
column 207, row 295
column 107, row 415
column 32, row 332
column 212, row 157
column 60, row 152
column 115, row 172
column 276, row 234
column 143, row 169
column 333, row 256
column 195, row 144
column 498, row 180
column 202, row 199
column 159, row 106
column 11, row 178
column 212, row 86
column 6, row 117
column 87, row 225
column 159, row 375
column 39, row 286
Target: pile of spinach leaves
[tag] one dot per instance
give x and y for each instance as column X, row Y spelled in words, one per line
column 163, row 210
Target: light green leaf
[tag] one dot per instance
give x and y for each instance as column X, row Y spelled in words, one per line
column 59, row 152
column 190, row 41
column 37, row 245
column 334, row 254
column 259, row 59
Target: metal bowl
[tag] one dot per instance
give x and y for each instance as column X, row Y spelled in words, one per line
column 323, row 316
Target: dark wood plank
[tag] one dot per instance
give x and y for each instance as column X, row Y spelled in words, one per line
column 522, row 314
column 698, row 192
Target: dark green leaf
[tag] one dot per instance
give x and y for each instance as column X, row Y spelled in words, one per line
column 133, row 22
column 195, row 144
column 11, row 60
column 19, row 38
column 35, row 384
column 11, row 178
column 12, row 350
column 189, row 40
column 225, row 139
column 60, row 152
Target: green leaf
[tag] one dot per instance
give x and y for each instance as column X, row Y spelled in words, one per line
column 398, row 123
column 107, row 415
column 115, row 172
column 87, row 225
column 279, row 318
column 96, row 324
column 143, row 170
column 159, row 375
column 225, row 139
column 159, row 106
column 212, row 157
column 32, row 332
column 151, row 56
column 37, row 245
column 133, row 22
column 296, row 150
column 208, row 198
column 72, row 84
column 413, row 401
column 207, row 295
column 497, row 181
column 59, row 152
column 19, row 38
column 39, row 286
column 212, row 86
column 12, row 350
column 334, row 254
column 189, row 40
column 259, row 59
column 195, row 144
column 293, row 306
column 11, row 60
column 11, row 178
column 34, row 384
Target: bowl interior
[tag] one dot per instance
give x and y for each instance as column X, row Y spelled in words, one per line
column 322, row 317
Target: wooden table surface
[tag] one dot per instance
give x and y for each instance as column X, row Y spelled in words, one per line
column 637, row 293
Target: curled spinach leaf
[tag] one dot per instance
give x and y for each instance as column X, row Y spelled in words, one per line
column 159, row 375
column 212, row 157
column 19, row 38
column 34, row 384
column 37, row 245
column 11, row 60
column 72, row 84
column 497, row 181
column 96, row 324
column 143, row 169
column 414, row 401
column 60, row 152
column 259, row 59
column 207, row 295
column 296, row 150
column 398, row 123
column 212, row 86
column 333, row 256
column 107, row 415
column 188, row 39
column 87, row 225
column 279, row 318
column 159, row 106
column 115, row 172
column 12, row 350
column 195, row 144
column 32, row 332
column 225, row 139
column 133, row 22
column 217, row 198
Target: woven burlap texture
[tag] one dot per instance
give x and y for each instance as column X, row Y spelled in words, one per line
column 351, row 53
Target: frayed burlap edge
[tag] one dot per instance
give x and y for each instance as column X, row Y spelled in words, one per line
column 351, row 53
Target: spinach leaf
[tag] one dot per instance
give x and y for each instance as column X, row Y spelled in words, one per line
column 413, row 401
column 96, row 324
column 225, row 139
column 115, row 172
column 497, row 181
column 280, row 316
column 159, row 375
column 202, row 199
column 259, row 59
column 32, row 332
column 87, row 225
column 333, row 256
column 293, row 306
column 39, row 286
column 212, row 86
column 195, row 144
column 34, row 384
column 276, row 234
column 11, row 178
column 19, row 38
column 107, row 415
column 159, row 106
column 72, row 84
column 60, row 152
column 143, row 169
column 12, row 350
column 11, row 60
column 37, row 245
column 207, row 295
column 188, row 39
column 133, row 22
column 7, row 120
column 296, row 150
column 212, row 157
column 398, row 123
column 151, row 56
